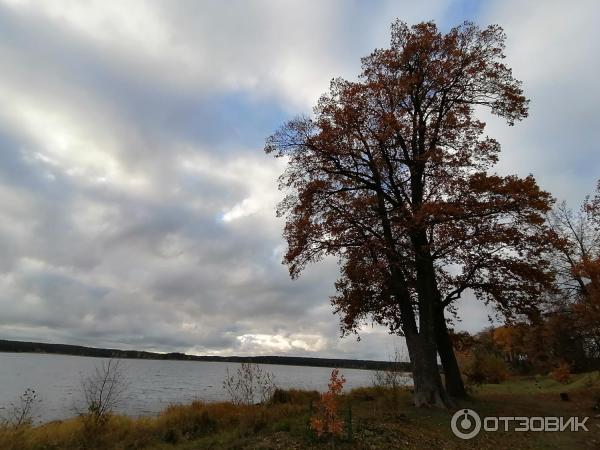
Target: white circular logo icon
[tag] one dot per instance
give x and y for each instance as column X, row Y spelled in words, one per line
column 465, row 423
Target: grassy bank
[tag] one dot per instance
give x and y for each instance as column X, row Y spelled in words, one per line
column 381, row 419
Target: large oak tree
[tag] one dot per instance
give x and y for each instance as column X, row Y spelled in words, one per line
column 391, row 175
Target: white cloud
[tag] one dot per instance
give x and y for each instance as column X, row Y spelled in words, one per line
column 267, row 343
column 289, row 49
column 551, row 47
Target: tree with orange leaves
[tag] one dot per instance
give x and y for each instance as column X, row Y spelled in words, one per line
column 510, row 340
column 391, row 176
column 326, row 421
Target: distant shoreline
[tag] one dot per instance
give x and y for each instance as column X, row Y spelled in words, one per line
column 8, row 346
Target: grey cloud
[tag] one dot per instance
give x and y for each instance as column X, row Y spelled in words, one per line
column 137, row 206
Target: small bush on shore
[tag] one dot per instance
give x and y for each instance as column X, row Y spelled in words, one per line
column 294, row 396
column 102, row 391
column 22, row 411
column 326, row 421
column 249, row 384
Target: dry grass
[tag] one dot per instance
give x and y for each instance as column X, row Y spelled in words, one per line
column 176, row 424
column 380, row 419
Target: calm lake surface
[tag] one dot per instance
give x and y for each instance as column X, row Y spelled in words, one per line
column 152, row 385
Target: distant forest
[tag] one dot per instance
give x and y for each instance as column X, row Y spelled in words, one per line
column 78, row 350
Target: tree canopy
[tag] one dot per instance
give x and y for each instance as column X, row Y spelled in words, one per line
column 392, row 176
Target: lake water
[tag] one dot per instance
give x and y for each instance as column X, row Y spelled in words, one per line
column 152, row 385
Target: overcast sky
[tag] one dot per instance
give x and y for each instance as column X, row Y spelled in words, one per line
column 136, row 203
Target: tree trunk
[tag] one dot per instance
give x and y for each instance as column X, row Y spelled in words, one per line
column 428, row 383
column 453, row 380
column 428, row 389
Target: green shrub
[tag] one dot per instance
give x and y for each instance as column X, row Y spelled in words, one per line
column 482, row 367
column 294, row 396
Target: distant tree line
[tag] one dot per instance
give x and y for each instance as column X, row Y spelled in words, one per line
column 77, row 350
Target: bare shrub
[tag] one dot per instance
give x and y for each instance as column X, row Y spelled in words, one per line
column 394, row 376
column 103, row 390
column 22, row 411
column 249, row 384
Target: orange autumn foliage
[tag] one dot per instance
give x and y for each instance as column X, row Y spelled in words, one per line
column 393, row 175
column 326, row 420
column 562, row 373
